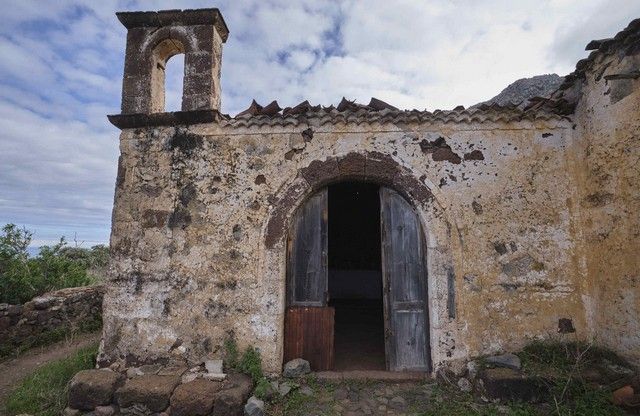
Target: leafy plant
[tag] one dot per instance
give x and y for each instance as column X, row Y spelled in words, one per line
column 231, row 353
column 263, row 388
column 251, row 364
column 562, row 363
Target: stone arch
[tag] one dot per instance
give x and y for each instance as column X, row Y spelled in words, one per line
column 159, row 56
column 370, row 167
column 384, row 170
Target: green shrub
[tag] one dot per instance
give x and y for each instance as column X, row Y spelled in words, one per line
column 263, row 387
column 56, row 267
column 251, row 364
column 44, row 393
column 564, row 357
column 231, row 353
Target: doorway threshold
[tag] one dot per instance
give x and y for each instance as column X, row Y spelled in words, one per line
column 373, row 375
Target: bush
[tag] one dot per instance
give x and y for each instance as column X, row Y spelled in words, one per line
column 251, row 364
column 56, row 267
column 231, row 353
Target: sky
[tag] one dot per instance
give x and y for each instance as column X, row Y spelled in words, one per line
column 62, row 63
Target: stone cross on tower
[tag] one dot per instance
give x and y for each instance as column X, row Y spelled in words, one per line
column 153, row 38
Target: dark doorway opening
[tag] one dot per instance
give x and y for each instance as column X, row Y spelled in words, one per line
column 355, row 275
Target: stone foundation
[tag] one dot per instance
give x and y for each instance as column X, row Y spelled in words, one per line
column 48, row 316
column 155, row 390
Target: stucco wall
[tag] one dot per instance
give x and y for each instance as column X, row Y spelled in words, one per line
column 607, row 149
column 197, row 252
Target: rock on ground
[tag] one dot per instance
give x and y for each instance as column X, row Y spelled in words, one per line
column 194, row 398
column 254, row 407
column 91, row 388
column 296, row 368
column 230, row 400
column 150, row 391
column 509, row 360
column 465, row 385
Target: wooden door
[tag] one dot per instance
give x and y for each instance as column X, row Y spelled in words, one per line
column 405, row 289
column 309, row 322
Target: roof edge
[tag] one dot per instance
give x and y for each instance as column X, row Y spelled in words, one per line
column 175, row 118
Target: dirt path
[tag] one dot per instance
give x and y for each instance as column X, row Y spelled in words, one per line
column 14, row 370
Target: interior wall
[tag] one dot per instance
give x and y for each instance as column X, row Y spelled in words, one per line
column 354, row 241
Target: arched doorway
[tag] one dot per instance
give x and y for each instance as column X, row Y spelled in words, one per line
column 357, row 281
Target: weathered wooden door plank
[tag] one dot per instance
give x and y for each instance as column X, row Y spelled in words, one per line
column 307, row 271
column 309, row 334
column 309, row 323
column 405, row 278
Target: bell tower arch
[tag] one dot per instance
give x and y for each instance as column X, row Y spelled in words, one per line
column 153, row 38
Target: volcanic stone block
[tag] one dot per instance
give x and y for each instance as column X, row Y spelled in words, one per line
column 151, row 391
column 231, row 400
column 194, row 398
column 508, row 384
column 91, row 388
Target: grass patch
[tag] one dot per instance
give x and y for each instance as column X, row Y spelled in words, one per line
column 44, row 393
column 449, row 401
column 562, row 364
column 563, row 358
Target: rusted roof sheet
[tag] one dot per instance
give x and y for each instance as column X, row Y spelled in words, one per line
column 377, row 111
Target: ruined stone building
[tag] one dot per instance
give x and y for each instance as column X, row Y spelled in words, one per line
column 364, row 236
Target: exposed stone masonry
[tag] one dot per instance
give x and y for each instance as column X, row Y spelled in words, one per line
column 63, row 310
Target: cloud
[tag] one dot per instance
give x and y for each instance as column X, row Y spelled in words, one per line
column 604, row 20
column 61, row 73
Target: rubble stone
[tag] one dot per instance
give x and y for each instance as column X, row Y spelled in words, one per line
column 194, row 398
column 296, row 368
column 91, row 388
column 230, row 401
column 254, row 407
column 509, row 360
column 151, row 391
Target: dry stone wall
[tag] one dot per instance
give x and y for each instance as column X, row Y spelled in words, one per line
column 50, row 315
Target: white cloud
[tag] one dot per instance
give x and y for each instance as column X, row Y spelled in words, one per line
column 62, row 67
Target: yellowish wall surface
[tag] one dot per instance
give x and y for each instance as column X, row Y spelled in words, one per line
column 195, row 255
column 607, row 148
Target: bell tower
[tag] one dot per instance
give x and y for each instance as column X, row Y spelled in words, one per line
column 152, row 39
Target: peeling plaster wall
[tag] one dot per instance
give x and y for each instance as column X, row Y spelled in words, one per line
column 607, row 151
column 195, row 255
